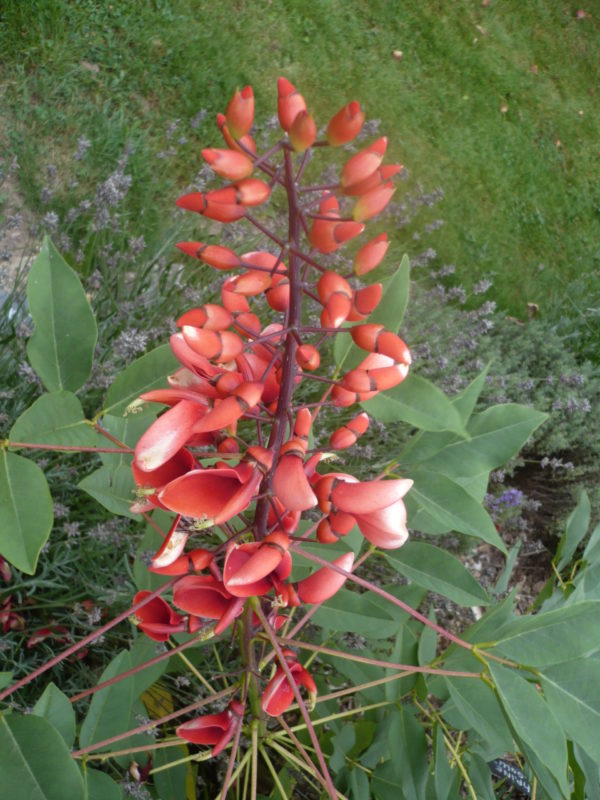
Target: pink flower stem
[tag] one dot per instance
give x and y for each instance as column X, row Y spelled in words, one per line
column 302, row 751
column 288, row 364
column 375, row 662
column 301, row 704
column 387, row 596
column 253, row 221
column 86, row 640
column 156, row 660
column 148, row 726
column 66, row 448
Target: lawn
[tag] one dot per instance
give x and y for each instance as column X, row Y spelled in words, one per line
column 494, row 103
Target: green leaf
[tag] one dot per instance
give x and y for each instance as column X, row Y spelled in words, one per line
column 350, row 611
column 572, row 690
column 114, row 489
column 171, row 783
column 26, row 511
column 427, row 642
column 577, row 525
column 148, row 372
column 55, row 418
column 553, row 637
column 54, row 706
column 479, row 708
column 496, row 435
column 592, row 549
column 112, row 485
column 408, row 747
column 501, row 584
column 438, row 571
column 35, row 762
column 448, row 503
column 591, row 770
column 533, row 721
column 110, row 708
column 151, row 541
column 419, row 403
column 100, row 786
column 61, row 349
column 5, row 679
column 445, row 777
column 466, row 401
column 480, row 777
column 389, row 312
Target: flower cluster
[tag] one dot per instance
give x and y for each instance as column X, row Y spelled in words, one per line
column 232, row 439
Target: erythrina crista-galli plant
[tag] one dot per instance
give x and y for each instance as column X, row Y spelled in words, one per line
column 233, row 401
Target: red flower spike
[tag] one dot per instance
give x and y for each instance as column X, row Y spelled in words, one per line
column 291, row 485
column 211, row 317
column 245, row 143
column 247, row 192
column 201, row 595
column 363, row 164
column 336, row 524
column 347, row 435
column 240, row 112
column 222, row 346
column 210, row 494
column 208, row 207
column 278, row 295
column 328, row 236
column 303, row 424
column 214, row 729
column 345, row 125
column 247, row 566
column 365, row 301
column 307, row 357
column 375, row 339
column 303, row 131
column 337, row 309
column 373, row 202
column 278, row 694
column 228, row 445
column 180, row 463
column 172, row 546
column 252, row 283
column 167, row 435
column 385, row 528
column 214, row 255
column 289, row 103
column 325, row 582
column 193, row 561
column 371, row 254
column 229, row 410
column 381, row 175
column 331, row 283
column 228, row 163
column 369, row 496
column 157, row 619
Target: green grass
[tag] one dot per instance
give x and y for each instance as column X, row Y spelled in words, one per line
column 515, row 198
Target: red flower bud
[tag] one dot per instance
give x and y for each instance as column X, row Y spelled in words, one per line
column 289, row 103
column 373, row 202
column 363, row 164
column 303, row 131
column 345, row 125
column 228, row 163
column 212, row 254
column 371, row 254
column 325, row 582
column 240, row 112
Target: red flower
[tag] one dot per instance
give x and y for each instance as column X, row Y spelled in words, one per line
column 215, row 729
column 157, row 619
column 278, row 695
column 217, row 495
